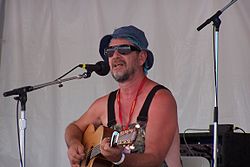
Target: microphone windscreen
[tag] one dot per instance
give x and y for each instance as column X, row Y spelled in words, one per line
column 103, row 68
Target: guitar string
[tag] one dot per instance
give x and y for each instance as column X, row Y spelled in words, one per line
column 93, row 152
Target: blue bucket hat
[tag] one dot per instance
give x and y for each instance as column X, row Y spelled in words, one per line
column 134, row 35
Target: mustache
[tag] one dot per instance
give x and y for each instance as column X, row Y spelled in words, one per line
column 117, row 61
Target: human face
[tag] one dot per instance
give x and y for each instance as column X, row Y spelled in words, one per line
column 122, row 64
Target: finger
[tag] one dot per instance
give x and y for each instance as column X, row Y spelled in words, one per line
column 74, row 157
column 106, row 140
column 103, row 142
column 75, row 162
column 80, row 150
column 106, row 146
column 75, row 165
column 78, row 157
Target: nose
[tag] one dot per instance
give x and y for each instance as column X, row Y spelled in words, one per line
column 116, row 54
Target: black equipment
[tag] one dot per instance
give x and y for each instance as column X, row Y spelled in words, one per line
column 233, row 148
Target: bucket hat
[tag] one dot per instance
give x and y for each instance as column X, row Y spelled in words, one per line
column 134, row 35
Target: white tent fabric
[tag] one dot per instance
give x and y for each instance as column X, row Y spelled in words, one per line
column 44, row 39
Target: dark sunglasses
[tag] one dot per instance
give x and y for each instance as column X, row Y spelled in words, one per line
column 122, row 49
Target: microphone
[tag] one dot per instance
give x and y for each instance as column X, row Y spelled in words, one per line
column 101, row 68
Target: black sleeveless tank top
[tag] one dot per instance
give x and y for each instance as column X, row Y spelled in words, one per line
column 141, row 119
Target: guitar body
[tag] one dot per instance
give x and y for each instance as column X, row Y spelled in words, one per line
column 92, row 138
column 98, row 162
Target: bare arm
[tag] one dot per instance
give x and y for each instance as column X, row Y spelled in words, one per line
column 73, row 137
column 75, row 130
column 73, row 134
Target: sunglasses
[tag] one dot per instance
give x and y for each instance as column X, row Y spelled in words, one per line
column 122, row 49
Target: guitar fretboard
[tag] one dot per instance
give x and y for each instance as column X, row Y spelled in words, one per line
column 94, row 152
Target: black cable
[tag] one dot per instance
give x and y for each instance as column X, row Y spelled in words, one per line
column 69, row 72
column 238, row 128
column 185, row 141
column 18, row 135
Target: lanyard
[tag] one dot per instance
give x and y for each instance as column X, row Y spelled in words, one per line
column 132, row 108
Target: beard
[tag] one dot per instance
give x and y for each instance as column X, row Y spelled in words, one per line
column 123, row 76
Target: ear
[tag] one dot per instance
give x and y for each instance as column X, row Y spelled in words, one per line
column 142, row 57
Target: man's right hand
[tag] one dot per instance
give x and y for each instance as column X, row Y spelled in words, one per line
column 76, row 154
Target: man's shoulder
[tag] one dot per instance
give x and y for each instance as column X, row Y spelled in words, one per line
column 102, row 99
column 158, row 88
column 161, row 93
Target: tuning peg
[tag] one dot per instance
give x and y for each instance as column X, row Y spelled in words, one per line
column 131, row 147
column 137, row 126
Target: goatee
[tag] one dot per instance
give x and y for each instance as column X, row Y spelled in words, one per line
column 122, row 77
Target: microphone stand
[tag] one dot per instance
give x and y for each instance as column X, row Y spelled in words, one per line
column 216, row 26
column 22, row 97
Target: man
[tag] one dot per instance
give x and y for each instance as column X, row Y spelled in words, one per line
column 138, row 101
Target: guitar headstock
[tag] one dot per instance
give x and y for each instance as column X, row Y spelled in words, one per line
column 127, row 137
column 124, row 138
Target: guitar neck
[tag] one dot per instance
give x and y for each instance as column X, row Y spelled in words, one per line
column 94, row 152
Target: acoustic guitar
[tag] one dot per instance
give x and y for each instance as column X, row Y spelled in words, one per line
column 92, row 138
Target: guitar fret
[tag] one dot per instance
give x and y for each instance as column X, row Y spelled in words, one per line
column 95, row 151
